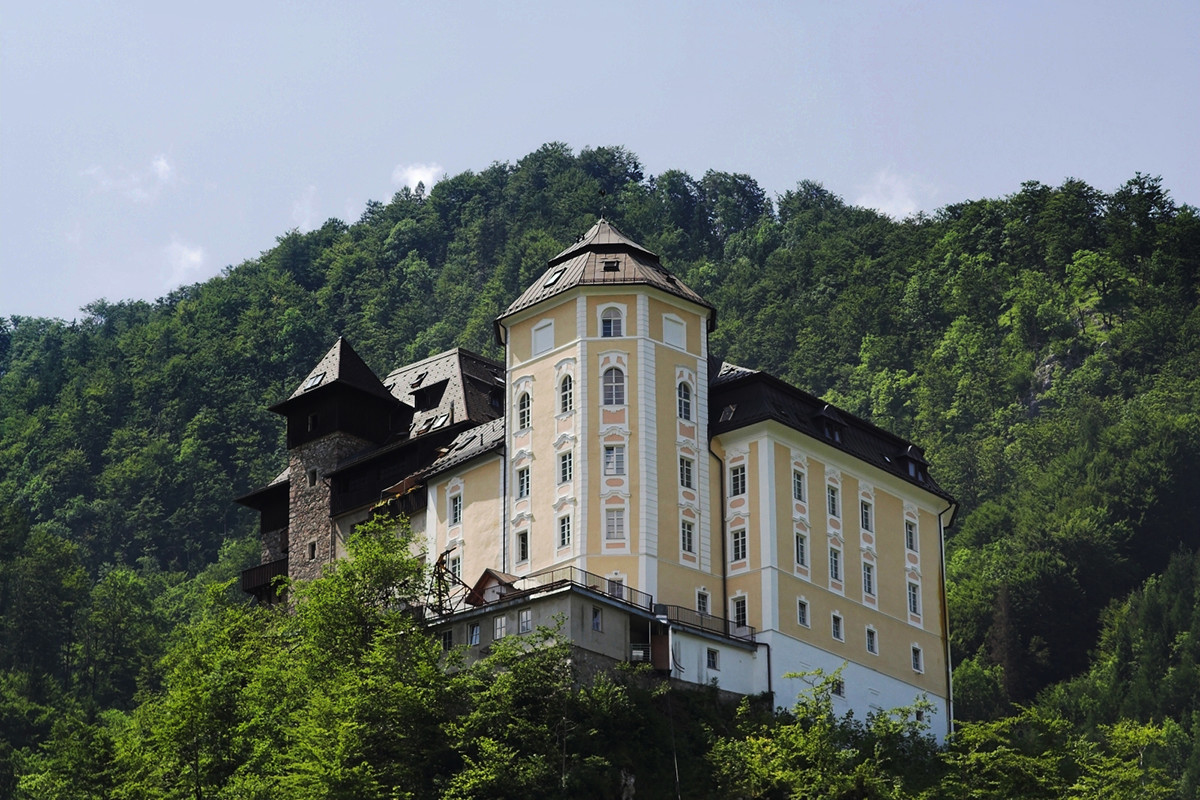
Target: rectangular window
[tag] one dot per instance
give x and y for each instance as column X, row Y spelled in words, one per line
column 871, row 644
column 447, row 640
column 739, row 545
column 798, row 486
column 312, row 551
column 914, row 599
column 712, row 659
column 865, row 512
column 616, row 588
column 917, row 663
column 839, row 687
column 910, row 535
column 801, row 550
column 802, row 612
column 312, row 477
column 614, row 523
column 473, row 633
column 456, row 509
column 564, row 531
column 739, row 612
column 836, row 627
column 597, row 618
column 737, row 481
column 869, row 579
column 685, row 473
column 499, row 627
column 702, row 602
column 456, row 567
column 523, row 482
column 831, row 498
column 523, row 546
column 543, row 337
column 525, row 620
column 566, row 467
column 614, row 459
column 835, row 564
column 687, row 537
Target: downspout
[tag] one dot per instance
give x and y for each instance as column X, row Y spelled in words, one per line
column 724, row 556
column 770, row 671
column 504, row 508
column 953, row 509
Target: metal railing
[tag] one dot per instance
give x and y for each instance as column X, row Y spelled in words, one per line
column 574, row 575
column 639, row 653
column 705, row 622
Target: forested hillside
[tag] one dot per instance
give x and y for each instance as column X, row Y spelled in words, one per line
column 1044, row 348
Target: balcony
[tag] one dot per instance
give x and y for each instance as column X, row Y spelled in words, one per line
column 689, row 618
column 258, row 580
column 573, row 575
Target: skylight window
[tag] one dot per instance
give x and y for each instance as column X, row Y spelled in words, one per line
column 611, row 265
column 727, row 412
column 314, row 381
column 417, row 380
column 554, row 276
column 440, row 421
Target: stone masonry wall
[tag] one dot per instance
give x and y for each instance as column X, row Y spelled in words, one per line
column 310, row 530
column 274, row 545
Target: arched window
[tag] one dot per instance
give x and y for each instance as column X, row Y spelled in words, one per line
column 524, row 411
column 684, row 393
column 566, row 395
column 611, row 323
column 614, row 387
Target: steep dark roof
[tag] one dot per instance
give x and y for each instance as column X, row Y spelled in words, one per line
column 341, row 365
column 741, row 397
column 469, row 444
column 456, row 385
column 604, row 257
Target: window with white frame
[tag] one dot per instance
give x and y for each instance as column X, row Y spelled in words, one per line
column 614, row 524
column 612, row 387
column 868, row 578
column 918, row 662
column 872, row 642
column 910, row 535
column 564, row 531
column 686, row 470
column 835, row 564
column 798, row 486
column 739, row 612
column 455, row 567
column 801, row 550
column 566, row 467
column 524, row 411
column 455, row 509
column 687, row 536
column 802, row 612
column 831, row 501
column 616, row 587
column 674, row 332
column 543, row 337
column 566, row 395
column 737, row 480
column 835, row 626
column 499, row 627
column 867, row 516
column 683, row 396
column 525, row 620
column 614, row 459
column 611, row 323
column 473, row 634
column 448, row 640
column 702, row 602
column 739, row 545
column 914, row 599
column 712, row 659
column 523, row 482
column 522, row 546
column 597, row 618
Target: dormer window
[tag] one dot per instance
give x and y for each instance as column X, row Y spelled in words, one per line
column 611, row 323
column 611, row 265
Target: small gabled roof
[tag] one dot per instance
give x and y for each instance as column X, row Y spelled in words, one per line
column 604, row 257
column 450, row 387
column 341, row 366
column 489, row 578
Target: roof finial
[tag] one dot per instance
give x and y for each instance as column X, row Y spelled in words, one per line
column 603, row 205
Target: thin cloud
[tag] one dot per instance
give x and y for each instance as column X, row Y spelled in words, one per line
column 411, row 174
column 898, row 196
column 139, row 186
column 184, row 262
column 304, row 209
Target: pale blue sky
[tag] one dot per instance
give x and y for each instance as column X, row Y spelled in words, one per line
column 145, row 145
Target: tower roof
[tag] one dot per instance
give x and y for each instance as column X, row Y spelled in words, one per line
column 605, row 257
column 341, row 366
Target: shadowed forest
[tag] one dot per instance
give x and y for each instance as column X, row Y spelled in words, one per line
column 1043, row 348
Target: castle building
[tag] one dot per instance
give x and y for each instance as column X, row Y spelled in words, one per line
column 613, row 476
